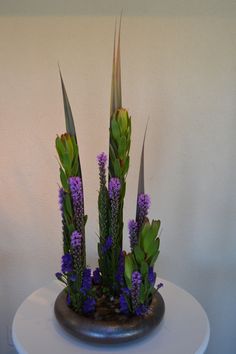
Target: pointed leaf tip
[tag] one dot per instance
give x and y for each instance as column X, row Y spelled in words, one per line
column 141, row 185
column 116, row 99
column 70, row 126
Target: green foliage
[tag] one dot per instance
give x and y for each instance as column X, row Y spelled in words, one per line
column 67, row 150
column 149, row 242
column 130, row 267
column 141, row 259
column 120, row 133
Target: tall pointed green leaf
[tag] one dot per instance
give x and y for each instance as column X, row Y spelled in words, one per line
column 141, row 171
column 70, row 126
column 118, row 71
column 113, row 91
column 116, row 99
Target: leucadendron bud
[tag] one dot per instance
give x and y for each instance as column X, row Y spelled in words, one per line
column 120, row 131
column 67, row 150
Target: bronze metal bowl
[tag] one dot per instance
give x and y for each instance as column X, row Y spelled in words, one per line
column 108, row 330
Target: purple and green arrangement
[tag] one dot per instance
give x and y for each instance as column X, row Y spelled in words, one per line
column 128, row 279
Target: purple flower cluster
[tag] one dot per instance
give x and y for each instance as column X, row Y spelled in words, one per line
column 61, row 195
column 89, row 305
column 107, row 245
column 133, row 233
column 114, row 189
column 97, row 276
column 76, row 189
column 141, row 310
column 135, row 289
column 76, row 240
column 151, row 276
column 66, row 263
column 144, row 203
column 86, row 281
column 102, row 160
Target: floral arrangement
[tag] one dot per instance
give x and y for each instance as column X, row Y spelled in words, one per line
column 125, row 280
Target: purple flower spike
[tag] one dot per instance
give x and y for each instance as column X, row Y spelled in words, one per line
column 102, row 160
column 160, row 285
column 135, row 289
column 86, row 281
column 76, row 240
column 67, row 263
column 114, row 188
column 89, row 305
column 136, row 278
column 133, row 233
column 61, row 195
column 107, row 245
column 144, row 203
column 76, row 189
column 151, row 276
column 96, row 276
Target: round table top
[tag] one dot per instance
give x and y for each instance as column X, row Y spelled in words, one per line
column 183, row 330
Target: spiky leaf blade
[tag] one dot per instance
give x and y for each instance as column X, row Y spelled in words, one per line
column 141, row 189
column 70, row 126
column 116, row 99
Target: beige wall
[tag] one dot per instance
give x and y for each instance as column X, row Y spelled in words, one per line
column 181, row 72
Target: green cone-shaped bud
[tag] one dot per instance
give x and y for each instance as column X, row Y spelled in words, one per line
column 120, row 132
column 67, row 150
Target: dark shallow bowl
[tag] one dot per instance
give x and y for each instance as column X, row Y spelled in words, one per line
column 118, row 329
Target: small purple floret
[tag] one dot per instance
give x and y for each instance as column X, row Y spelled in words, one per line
column 76, row 189
column 144, row 203
column 61, row 195
column 67, row 263
column 76, row 239
column 102, row 160
column 141, row 310
column 160, row 285
column 136, row 278
column 135, row 289
column 114, row 188
column 89, row 305
column 58, row 275
column 107, row 245
column 151, row 276
column 86, row 281
column 97, row 276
